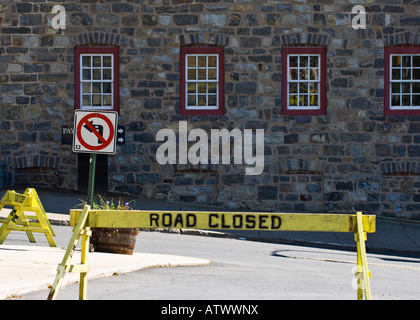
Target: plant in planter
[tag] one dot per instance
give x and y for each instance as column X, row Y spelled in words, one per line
column 113, row 240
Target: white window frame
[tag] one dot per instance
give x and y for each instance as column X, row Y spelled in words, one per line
column 92, row 81
column 202, row 81
column 401, row 81
column 301, row 81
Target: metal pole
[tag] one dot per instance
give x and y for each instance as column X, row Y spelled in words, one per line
column 91, row 183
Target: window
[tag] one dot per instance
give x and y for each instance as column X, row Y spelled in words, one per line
column 202, row 81
column 96, row 78
column 304, row 81
column 402, row 81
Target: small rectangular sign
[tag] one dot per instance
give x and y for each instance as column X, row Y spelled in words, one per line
column 66, row 135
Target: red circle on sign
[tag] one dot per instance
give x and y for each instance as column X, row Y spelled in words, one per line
column 105, row 143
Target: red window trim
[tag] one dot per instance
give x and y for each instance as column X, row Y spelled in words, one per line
column 387, row 107
column 323, row 78
column 97, row 50
column 221, row 75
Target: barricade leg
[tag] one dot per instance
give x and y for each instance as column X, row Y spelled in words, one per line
column 43, row 213
column 362, row 273
column 16, row 217
column 65, row 266
column 44, row 223
column 84, row 261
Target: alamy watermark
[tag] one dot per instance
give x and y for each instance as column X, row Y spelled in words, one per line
column 203, row 151
column 59, row 20
column 359, row 20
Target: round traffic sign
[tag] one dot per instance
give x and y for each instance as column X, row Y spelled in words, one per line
column 104, row 142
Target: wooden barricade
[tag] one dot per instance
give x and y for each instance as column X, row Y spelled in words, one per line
column 19, row 220
column 83, row 220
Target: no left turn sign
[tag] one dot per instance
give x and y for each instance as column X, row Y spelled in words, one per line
column 95, row 131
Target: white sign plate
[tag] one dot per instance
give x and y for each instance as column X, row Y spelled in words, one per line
column 95, row 131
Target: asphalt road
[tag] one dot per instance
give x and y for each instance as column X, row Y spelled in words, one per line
column 243, row 270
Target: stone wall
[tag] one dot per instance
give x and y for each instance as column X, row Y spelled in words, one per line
column 334, row 163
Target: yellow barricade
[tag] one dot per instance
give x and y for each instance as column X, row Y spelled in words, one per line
column 18, row 220
column 83, row 220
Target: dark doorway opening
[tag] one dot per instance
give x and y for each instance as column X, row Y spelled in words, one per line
column 101, row 173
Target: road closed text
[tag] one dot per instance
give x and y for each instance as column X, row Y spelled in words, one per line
column 215, row 220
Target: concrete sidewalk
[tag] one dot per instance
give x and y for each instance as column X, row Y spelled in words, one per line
column 26, row 269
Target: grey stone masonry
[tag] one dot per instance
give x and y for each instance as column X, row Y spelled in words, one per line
column 353, row 158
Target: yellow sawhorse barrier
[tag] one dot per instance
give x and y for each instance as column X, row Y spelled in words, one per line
column 18, row 220
column 83, row 220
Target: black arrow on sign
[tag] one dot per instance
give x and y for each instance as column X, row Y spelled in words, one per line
column 99, row 128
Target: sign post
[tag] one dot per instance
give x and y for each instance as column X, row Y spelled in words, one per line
column 94, row 132
column 91, row 182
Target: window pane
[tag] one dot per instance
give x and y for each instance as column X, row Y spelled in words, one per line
column 303, row 61
column 191, row 61
column 106, row 87
column 416, row 61
column 416, row 100
column 406, row 61
column 416, row 87
column 192, row 74
column 86, row 74
column 293, row 100
column 97, row 100
column 107, row 61
column 97, row 61
column 191, row 100
column 192, row 88
column 293, row 61
column 303, row 87
column 406, row 74
column 212, row 100
column 395, row 88
column 303, row 100
column 405, row 87
column 107, row 100
column 212, row 87
column 303, row 74
column 202, row 87
column 293, row 87
column 107, row 74
column 293, row 74
column 313, row 100
column 202, row 74
column 395, row 100
column 212, row 60
column 314, row 61
column 314, row 74
column 202, row 101
column 416, row 74
column 97, row 74
column 97, row 87
column 86, row 61
column 202, row 61
column 313, row 87
column 86, row 87
column 396, row 74
column 396, row 61
column 86, row 100
column 405, row 100
column 212, row 74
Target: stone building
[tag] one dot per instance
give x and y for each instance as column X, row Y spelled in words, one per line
column 339, row 104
